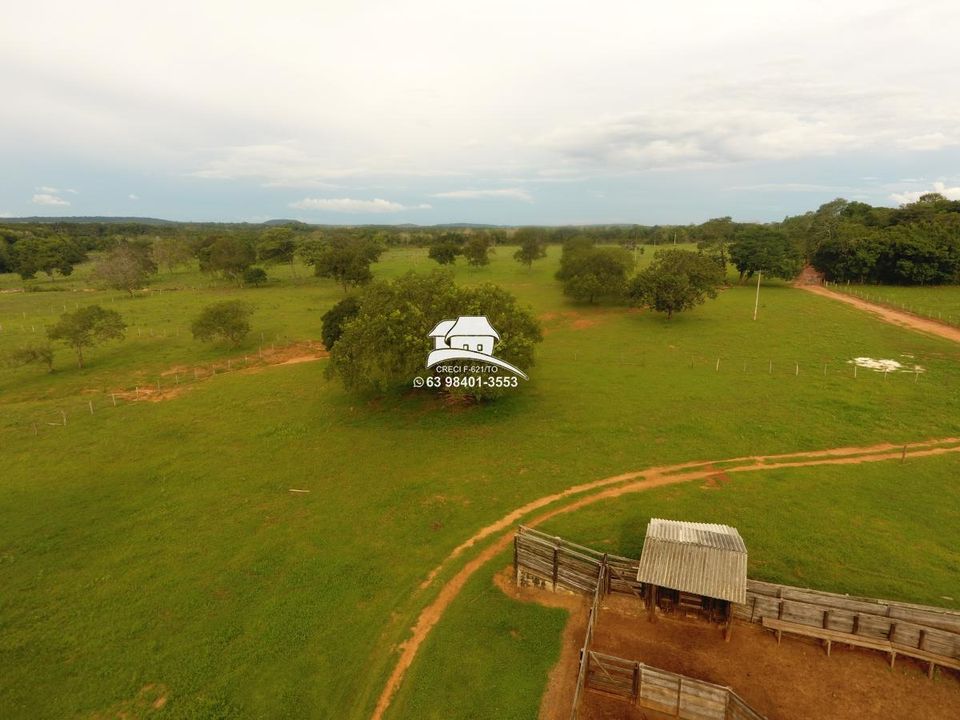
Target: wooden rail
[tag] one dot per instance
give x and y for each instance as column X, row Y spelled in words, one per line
column 831, row 636
column 664, row 691
column 927, row 630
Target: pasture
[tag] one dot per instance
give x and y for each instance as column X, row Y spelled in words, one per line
column 154, row 550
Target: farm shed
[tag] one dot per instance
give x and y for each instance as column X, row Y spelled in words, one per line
column 693, row 568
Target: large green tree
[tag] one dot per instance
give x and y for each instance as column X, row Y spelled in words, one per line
column 477, row 250
column 228, row 256
column 87, row 327
column 343, row 258
column 384, row 346
column 533, row 245
column 676, row 280
column 228, row 320
column 278, row 245
column 591, row 273
column 766, row 248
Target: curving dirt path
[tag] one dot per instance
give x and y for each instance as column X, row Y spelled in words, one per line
column 589, row 493
column 894, row 317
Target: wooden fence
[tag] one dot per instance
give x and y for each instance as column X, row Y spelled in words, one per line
column 929, row 630
column 550, row 561
column 587, row 640
column 664, row 691
column 928, row 633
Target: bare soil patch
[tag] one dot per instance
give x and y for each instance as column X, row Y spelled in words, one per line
column 149, row 701
column 894, row 317
column 794, row 681
column 183, row 377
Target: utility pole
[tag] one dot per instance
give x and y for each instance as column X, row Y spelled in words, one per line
column 756, row 303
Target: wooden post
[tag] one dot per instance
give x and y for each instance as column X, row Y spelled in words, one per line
column 90, row 404
column 556, row 566
column 903, row 455
column 636, row 681
column 516, row 558
column 64, row 418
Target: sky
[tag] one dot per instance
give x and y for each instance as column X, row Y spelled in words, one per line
column 422, row 111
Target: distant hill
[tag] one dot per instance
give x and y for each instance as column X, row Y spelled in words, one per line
column 285, row 222
column 100, row 219
column 115, row 220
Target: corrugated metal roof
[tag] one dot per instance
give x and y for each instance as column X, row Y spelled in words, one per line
column 698, row 558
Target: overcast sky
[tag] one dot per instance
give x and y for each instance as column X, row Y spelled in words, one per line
column 503, row 112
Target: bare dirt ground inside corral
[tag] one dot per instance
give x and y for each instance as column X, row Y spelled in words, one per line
column 795, row 681
column 894, row 317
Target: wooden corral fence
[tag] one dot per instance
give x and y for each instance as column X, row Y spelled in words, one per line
column 587, row 640
column 663, row 691
column 549, row 561
column 926, row 633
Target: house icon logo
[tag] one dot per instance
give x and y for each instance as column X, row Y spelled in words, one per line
column 469, row 337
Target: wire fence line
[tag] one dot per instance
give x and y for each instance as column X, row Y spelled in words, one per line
column 931, row 313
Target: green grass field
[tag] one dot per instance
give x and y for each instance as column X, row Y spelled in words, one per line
column 158, row 543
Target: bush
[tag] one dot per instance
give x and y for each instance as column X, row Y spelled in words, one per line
column 254, row 276
column 228, row 320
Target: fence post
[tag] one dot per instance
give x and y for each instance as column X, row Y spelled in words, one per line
column 556, row 563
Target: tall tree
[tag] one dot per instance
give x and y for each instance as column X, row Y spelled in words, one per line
column 533, row 245
column 476, row 250
column 384, row 345
column 765, row 248
column 676, row 280
column 126, row 267
column 278, row 245
column 345, row 259
column 87, row 327
column 590, row 273
column 227, row 256
column 444, row 252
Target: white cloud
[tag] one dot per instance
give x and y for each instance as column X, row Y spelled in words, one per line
column 352, row 206
column 509, row 193
column 56, row 191
column 48, row 199
column 911, row 196
column 133, row 196
column 928, row 141
column 5, row 214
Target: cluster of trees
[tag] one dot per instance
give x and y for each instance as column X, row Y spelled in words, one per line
column 915, row 244
column 676, row 280
column 378, row 337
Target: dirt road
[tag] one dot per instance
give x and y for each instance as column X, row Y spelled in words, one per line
column 588, row 493
column 894, row 317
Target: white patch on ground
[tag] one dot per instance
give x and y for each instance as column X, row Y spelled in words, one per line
column 884, row 365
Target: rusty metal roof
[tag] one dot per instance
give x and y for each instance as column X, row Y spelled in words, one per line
column 697, row 558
